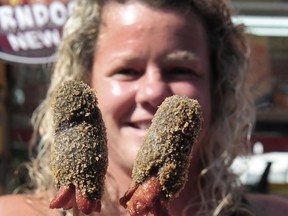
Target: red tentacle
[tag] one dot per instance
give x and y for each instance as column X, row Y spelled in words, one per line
column 146, row 197
column 86, row 205
column 63, row 197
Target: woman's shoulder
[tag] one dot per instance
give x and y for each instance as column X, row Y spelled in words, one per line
column 25, row 205
column 268, row 205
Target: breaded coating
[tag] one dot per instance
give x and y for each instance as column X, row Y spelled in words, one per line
column 79, row 153
column 166, row 150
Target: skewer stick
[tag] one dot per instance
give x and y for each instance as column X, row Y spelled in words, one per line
column 76, row 211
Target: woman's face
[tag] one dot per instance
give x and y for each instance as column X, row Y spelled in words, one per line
column 144, row 55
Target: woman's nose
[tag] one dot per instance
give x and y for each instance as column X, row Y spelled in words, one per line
column 152, row 91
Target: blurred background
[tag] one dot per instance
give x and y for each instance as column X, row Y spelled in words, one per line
column 27, row 46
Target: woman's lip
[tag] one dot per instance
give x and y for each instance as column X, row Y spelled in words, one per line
column 139, row 127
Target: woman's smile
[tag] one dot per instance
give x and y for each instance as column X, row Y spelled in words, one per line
column 153, row 56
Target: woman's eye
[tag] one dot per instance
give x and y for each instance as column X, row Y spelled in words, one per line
column 127, row 74
column 180, row 73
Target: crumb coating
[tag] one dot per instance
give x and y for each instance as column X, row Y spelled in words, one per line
column 166, row 149
column 79, row 153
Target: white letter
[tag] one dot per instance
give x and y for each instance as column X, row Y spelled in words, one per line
column 50, row 38
column 41, row 14
column 56, row 36
column 24, row 17
column 17, row 42
column 32, row 40
column 7, row 21
column 70, row 7
column 58, row 13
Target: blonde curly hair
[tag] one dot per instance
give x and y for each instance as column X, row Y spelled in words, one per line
column 232, row 105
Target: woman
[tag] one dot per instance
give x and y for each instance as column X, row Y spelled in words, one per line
column 135, row 54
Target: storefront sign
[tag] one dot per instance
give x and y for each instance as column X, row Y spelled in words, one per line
column 30, row 31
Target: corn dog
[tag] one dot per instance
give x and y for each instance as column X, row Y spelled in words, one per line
column 161, row 166
column 79, row 156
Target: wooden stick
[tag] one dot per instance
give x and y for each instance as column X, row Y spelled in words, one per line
column 76, row 211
